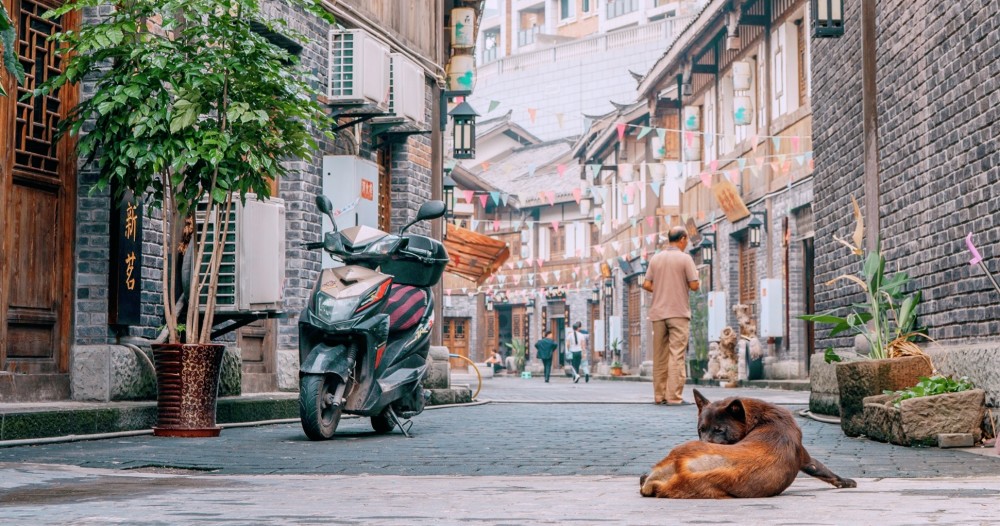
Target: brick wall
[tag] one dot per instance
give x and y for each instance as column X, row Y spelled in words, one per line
column 939, row 174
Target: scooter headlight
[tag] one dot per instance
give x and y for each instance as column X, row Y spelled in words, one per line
column 383, row 247
column 330, row 309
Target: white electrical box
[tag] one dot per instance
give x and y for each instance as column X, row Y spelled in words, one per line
column 252, row 271
column 772, row 308
column 358, row 68
column 716, row 314
column 597, row 339
column 351, row 183
column 615, row 329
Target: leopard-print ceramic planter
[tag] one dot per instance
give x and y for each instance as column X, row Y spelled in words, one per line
column 187, row 378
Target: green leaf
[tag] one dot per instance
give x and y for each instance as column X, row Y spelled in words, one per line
column 823, row 318
column 829, row 356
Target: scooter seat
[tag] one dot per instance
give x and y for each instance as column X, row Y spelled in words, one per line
column 405, row 307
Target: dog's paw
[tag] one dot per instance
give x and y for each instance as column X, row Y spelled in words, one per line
column 846, row 483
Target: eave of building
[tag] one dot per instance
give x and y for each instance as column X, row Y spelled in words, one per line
column 467, row 180
column 637, row 112
column 702, row 30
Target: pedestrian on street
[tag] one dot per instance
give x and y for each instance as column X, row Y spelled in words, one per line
column 577, row 346
column 671, row 277
column 496, row 361
column 543, row 350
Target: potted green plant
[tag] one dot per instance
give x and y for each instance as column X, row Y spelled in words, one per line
column 518, row 349
column 616, row 368
column 915, row 416
column 8, row 35
column 191, row 110
column 886, row 321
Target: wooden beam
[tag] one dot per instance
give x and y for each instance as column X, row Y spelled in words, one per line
column 705, row 69
column 753, row 20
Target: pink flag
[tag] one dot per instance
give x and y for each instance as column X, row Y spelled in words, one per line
column 976, row 257
column 561, row 168
column 496, row 225
column 621, row 130
column 714, row 165
column 577, row 194
column 467, row 195
column 795, row 144
column 552, row 197
column 787, row 167
column 555, row 225
column 706, row 179
column 651, row 221
column 532, row 112
column 540, row 260
column 734, row 176
column 486, row 166
column 482, row 200
column 689, row 139
column 812, row 166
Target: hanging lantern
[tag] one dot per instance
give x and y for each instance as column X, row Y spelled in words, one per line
column 659, row 150
column 463, row 24
column 742, row 111
column 448, row 193
column 692, row 148
column 742, row 76
column 461, row 74
column 828, row 18
column 692, row 118
column 464, row 131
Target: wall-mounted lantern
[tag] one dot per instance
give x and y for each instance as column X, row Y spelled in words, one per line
column 489, row 304
column 707, row 247
column 609, row 288
column 595, row 295
column 828, row 18
column 530, row 309
column 755, row 228
column 464, row 131
column 448, row 193
column 463, row 27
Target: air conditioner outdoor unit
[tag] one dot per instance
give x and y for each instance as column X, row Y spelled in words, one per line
column 358, row 68
column 252, row 272
column 407, row 89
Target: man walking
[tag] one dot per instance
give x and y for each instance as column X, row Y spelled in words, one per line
column 670, row 277
column 544, row 349
column 577, row 342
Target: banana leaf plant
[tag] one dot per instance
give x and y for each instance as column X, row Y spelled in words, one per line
column 887, row 318
column 192, row 109
column 519, row 349
column 8, row 37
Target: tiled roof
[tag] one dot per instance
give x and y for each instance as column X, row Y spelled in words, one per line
column 527, row 172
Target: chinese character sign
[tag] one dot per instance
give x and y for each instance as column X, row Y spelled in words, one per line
column 125, row 302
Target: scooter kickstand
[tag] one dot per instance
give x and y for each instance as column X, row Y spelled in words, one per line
column 402, row 427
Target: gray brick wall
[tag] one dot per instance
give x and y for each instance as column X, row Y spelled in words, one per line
column 939, row 174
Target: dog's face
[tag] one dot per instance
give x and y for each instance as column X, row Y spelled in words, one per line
column 722, row 422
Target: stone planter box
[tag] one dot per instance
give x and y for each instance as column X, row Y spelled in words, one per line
column 919, row 421
column 863, row 378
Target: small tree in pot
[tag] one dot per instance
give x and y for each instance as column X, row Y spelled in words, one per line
column 191, row 108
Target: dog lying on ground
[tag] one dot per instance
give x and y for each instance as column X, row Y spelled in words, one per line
column 748, row 448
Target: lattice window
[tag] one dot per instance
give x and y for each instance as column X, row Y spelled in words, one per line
column 748, row 273
column 634, row 319
column 800, row 31
column 384, row 190
column 38, row 117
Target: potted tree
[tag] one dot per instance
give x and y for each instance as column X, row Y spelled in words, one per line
column 191, row 110
column 518, row 349
column 616, row 354
column 886, row 322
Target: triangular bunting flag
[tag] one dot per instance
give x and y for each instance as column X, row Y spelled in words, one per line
column 776, row 141
column 496, row 197
column 561, row 170
column 496, row 225
column 714, row 165
column 651, row 221
column 520, row 265
column 800, row 160
column 551, row 195
column 475, row 224
column 616, row 245
column 742, row 163
column 558, row 274
column 493, row 105
column 532, row 112
column 662, row 133
column 595, row 170
column 795, row 144
column 734, row 176
column 531, row 170
column 621, row 130
column 706, row 179
column 503, row 200
column 468, row 195
column 643, row 131
column 689, row 139
column 555, row 225
column 540, row 261
column 577, row 195
column 656, row 190
column 482, row 199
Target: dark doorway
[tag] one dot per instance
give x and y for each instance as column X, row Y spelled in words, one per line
column 808, row 287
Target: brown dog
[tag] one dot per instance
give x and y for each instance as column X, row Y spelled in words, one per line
column 748, row 448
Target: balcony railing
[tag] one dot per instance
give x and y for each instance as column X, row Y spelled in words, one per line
column 617, row 8
column 526, row 37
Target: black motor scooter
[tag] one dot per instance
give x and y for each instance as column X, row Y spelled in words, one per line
column 365, row 334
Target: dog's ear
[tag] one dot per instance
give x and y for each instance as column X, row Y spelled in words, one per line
column 700, row 400
column 737, row 410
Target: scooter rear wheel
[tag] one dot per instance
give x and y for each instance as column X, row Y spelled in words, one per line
column 317, row 411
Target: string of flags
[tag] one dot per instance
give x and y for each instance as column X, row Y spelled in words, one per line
column 347, row 208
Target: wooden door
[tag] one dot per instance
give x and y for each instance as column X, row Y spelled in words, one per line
column 634, row 324
column 491, row 340
column 385, row 188
column 37, row 204
column 258, row 346
column 455, row 333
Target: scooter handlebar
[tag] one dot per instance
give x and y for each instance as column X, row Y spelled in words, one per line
column 313, row 245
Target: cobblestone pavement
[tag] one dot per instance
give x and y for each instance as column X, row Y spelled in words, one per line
column 537, row 454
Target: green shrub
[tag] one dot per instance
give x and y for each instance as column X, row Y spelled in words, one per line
column 930, row 386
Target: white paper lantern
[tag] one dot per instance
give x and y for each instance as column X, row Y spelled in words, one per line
column 742, row 111
column 463, row 25
column 742, row 76
column 461, row 73
column 692, row 118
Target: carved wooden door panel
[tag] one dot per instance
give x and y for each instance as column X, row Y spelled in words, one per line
column 37, row 204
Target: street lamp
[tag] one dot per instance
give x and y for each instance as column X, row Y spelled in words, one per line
column 828, row 18
column 489, row 304
column 464, row 131
column 530, row 309
column 707, row 247
column 448, row 192
column 754, row 228
column 595, row 295
column 609, row 288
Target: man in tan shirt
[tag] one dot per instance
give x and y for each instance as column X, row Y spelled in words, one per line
column 670, row 277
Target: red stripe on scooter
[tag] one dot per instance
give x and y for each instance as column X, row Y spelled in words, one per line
column 378, row 355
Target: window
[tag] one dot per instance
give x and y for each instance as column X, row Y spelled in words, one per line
column 800, row 37
column 778, row 71
column 617, row 8
column 491, row 45
column 557, row 243
column 761, row 96
column 567, row 9
column 588, row 6
column 748, row 273
column 709, row 126
column 577, row 242
column 543, row 242
column 526, row 244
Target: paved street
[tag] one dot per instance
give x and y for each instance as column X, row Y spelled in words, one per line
column 535, row 454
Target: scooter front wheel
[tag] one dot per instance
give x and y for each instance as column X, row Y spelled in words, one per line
column 318, row 410
column 382, row 423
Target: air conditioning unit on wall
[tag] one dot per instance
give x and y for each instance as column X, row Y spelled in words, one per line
column 408, row 90
column 358, row 68
column 252, row 272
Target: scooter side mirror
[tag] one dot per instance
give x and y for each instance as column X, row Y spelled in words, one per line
column 326, row 207
column 431, row 210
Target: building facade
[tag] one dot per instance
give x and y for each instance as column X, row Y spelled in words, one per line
column 56, row 336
